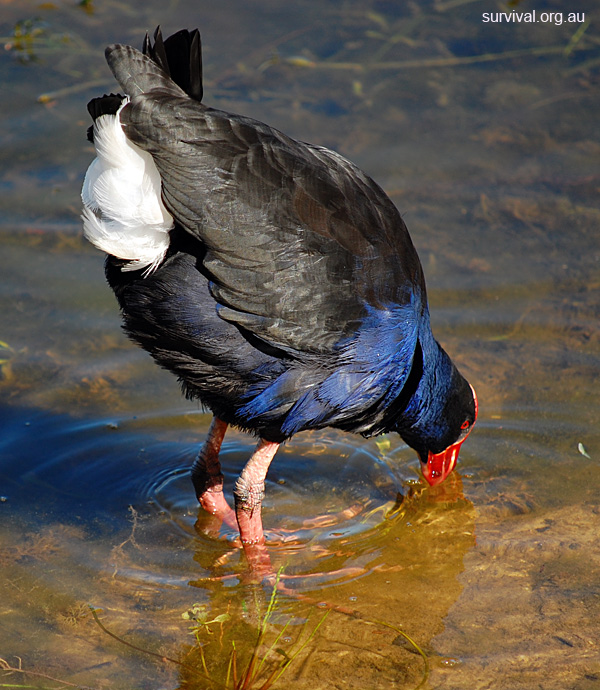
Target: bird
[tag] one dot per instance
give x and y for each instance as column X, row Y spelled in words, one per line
column 273, row 277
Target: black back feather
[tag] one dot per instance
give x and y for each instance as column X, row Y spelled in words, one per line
column 295, row 299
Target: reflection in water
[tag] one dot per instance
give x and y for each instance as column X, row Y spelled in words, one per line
column 85, row 543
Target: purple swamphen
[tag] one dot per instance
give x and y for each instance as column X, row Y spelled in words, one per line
column 274, row 278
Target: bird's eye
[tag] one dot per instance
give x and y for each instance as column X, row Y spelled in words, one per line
column 465, row 425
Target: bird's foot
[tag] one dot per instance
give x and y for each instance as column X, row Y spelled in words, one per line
column 259, row 562
column 208, row 484
column 214, row 503
column 208, row 479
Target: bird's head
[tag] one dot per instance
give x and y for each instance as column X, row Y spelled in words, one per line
column 437, row 464
column 441, row 414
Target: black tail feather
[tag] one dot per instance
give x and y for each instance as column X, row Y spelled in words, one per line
column 157, row 51
column 180, row 56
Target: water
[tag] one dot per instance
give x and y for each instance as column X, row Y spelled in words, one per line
column 494, row 166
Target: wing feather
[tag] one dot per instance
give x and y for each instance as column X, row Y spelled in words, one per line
column 300, row 243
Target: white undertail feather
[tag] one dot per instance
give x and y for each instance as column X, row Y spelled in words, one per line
column 123, row 211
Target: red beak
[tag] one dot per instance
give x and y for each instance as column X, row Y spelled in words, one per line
column 439, row 465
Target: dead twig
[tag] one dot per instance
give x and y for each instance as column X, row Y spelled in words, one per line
column 7, row 668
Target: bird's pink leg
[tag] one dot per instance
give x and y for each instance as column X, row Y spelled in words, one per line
column 250, row 490
column 207, row 477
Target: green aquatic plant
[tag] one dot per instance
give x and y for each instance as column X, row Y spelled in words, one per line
column 220, row 660
column 33, row 36
column 198, row 613
column 267, row 661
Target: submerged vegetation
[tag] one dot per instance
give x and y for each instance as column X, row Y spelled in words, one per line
column 32, row 37
column 225, row 657
column 250, row 649
column 267, row 661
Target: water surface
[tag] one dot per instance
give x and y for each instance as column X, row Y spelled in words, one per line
column 493, row 161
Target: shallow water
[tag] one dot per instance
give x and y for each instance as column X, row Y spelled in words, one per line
column 494, row 166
